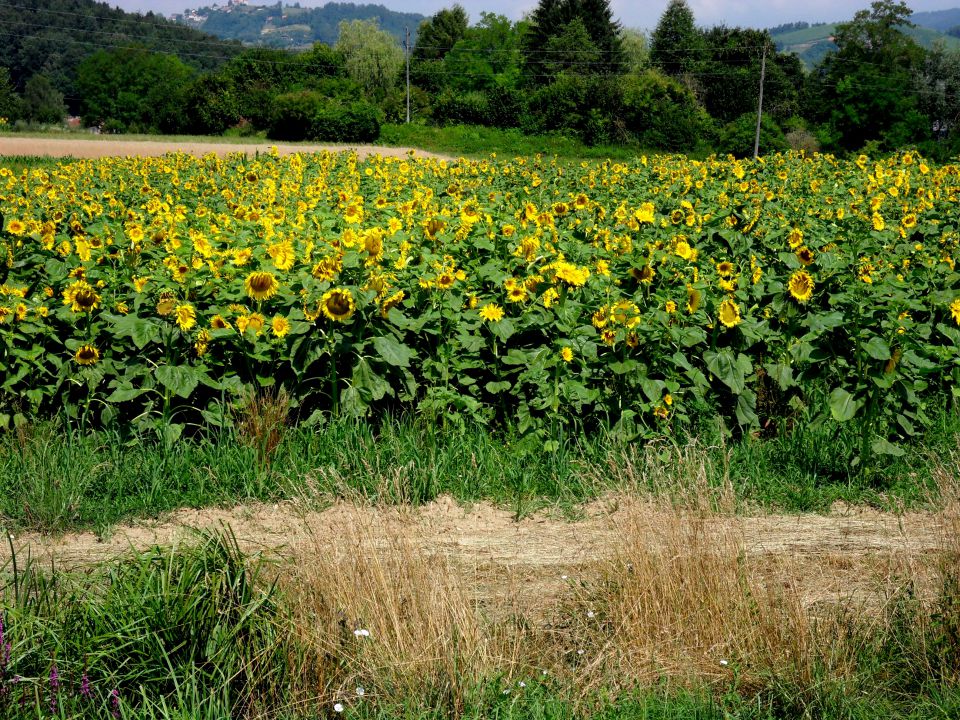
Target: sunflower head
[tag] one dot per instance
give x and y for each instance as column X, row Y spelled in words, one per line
column 261, row 285
column 805, row 256
column 800, row 286
column 81, row 297
column 491, row 312
column 186, row 316
column 280, row 326
column 86, row 355
column 725, row 268
column 338, row 304
column 729, row 313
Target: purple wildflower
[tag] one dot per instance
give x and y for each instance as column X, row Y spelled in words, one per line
column 85, row 691
column 115, row 703
column 54, row 687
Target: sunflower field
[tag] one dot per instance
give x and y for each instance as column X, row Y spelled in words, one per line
column 644, row 296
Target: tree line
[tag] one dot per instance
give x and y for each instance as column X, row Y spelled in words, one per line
column 569, row 68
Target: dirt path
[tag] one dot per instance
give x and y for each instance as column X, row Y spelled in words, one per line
column 97, row 147
column 826, row 556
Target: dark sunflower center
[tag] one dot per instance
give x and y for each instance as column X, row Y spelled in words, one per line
column 338, row 305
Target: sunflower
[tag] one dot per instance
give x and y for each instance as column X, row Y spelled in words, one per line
column 955, row 310
column 186, row 316
column 337, row 304
column 729, row 313
column 218, row 322
column 805, row 256
column 801, row 286
column 878, row 223
column 261, row 285
column 15, row 227
column 327, row 268
column 166, row 303
column 491, row 312
column 86, row 355
column 280, row 326
column 392, row 302
column 693, row 299
column 725, row 268
column 517, row 294
column 81, row 297
column 283, row 255
column 446, row 280
column 909, row 221
column 566, row 354
column 644, row 274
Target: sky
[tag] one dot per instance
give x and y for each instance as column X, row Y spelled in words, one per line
column 631, row 13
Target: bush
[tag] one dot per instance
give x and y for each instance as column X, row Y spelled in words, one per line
column 585, row 106
column 737, row 138
column 356, row 122
column 294, row 114
column 663, row 114
column 462, row 108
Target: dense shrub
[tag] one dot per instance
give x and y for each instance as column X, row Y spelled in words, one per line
column 293, row 115
column 357, row 122
column 661, row 113
column 737, row 138
column 584, row 106
column 464, row 108
column 308, row 115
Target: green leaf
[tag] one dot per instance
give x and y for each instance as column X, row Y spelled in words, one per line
column 371, row 386
column 503, row 329
column 498, row 387
column 140, row 330
column 392, row 351
column 877, row 348
column 885, row 447
column 843, row 405
column 180, row 379
column 352, row 404
column 125, row 394
column 728, row 369
column 782, row 375
column 171, row 433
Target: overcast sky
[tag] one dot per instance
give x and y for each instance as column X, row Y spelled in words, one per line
column 632, row 13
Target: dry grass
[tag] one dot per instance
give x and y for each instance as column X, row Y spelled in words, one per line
column 376, row 611
column 680, row 600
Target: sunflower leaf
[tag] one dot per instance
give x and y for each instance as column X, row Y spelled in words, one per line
column 392, row 351
column 843, row 405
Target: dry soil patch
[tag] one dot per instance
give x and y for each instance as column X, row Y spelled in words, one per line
column 114, row 147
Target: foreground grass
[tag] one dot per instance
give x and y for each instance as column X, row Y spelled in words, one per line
column 356, row 625
column 57, row 479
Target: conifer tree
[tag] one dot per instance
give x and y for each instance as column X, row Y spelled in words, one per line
column 551, row 19
column 676, row 46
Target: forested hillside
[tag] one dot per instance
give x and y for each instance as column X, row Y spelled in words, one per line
column 292, row 26
column 49, row 39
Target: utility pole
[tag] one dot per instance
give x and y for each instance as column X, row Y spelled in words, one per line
column 763, row 72
column 406, row 47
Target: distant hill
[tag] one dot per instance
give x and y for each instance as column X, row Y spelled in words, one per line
column 292, row 26
column 942, row 20
column 53, row 36
column 812, row 42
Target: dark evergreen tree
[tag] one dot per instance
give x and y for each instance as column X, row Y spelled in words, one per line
column 677, row 46
column 552, row 18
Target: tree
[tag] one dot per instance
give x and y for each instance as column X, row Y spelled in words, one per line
column 863, row 91
column 136, row 89
column 938, row 90
column 552, row 18
column 438, row 34
column 436, row 37
column 42, row 102
column 372, row 57
column 677, row 46
column 636, row 50
column 10, row 105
